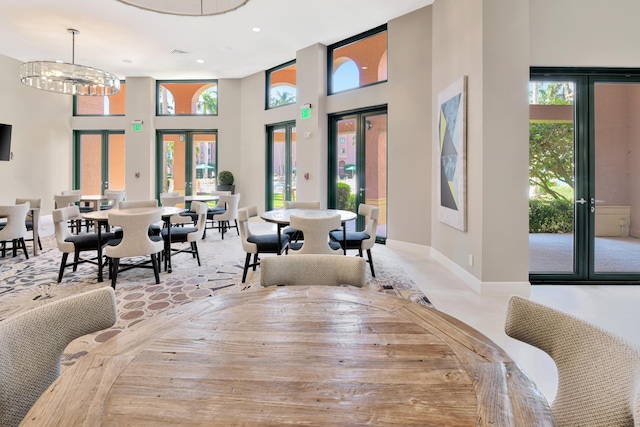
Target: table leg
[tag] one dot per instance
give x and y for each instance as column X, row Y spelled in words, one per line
column 344, row 237
column 167, row 245
column 99, row 250
column 279, row 228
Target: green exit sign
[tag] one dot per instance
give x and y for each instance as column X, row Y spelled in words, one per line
column 137, row 127
column 305, row 113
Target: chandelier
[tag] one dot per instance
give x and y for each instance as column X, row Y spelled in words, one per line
column 188, row 7
column 70, row 79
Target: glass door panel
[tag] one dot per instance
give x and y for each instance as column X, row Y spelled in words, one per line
column 174, row 154
column 99, row 162
column 204, row 152
column 281, row 164
column 616, row 205
column 91, row 181
column 116, row 161
column 374, row 190
column 552, row 238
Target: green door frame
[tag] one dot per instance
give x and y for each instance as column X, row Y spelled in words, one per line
column 104, row 164
column 288, row 126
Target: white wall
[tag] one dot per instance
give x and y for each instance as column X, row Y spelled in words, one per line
column 40, row 142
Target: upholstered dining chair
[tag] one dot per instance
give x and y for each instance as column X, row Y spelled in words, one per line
column 214, row 210
column 316, row 235
column 135, row 242
column 230, row 203
column 256, row 244
column 33, row 343
column 189, row 235
column 296, row 235
column 154, row 229
column 63, row 200
column 15, row 229
column 175, row 199
column 114, row 197
column 361, row 240
column 33, row 203
column 69, row 243
column 313, row 270
column 598, row 373
column 83, row 208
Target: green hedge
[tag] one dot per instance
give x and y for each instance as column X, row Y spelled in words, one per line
column 550, row 216
column 346, row 200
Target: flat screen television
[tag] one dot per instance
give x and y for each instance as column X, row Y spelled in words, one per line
column 5, row 142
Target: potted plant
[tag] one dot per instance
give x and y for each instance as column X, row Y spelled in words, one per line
column 225, row 182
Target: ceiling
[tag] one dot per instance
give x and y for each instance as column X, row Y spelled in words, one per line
column 131, row 42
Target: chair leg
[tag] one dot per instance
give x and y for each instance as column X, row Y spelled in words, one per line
column 373, row 274
column 115, row 263
column 237, row 229
column 222, row 225
column 39, row 243
column 24, row 247
column 76, row 258
column 63, row 264
column 255, row 261
column 156, row 267
column 195, row 250
column 246, row 267
column 14, row 247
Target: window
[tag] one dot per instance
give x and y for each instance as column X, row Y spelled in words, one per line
column 113, row 105
column 343, row 151
column 187, row 98
column 358, row 61
column 281, row 85
column 342, row 140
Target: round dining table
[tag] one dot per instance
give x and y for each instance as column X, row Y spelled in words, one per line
column 282, row 217
column 295, row 355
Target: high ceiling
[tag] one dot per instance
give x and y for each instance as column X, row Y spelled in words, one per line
column 129, row 42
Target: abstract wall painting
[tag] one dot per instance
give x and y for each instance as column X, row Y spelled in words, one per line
column 452, row 155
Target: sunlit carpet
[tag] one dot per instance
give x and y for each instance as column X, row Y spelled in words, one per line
column 26, row 284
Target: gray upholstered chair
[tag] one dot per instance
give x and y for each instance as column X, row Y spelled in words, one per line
column 230, row 203
column 33, row 343
column 361, row 240
column 598, row 373
column 69, row 243
column 135, row 242
column 33, row 203
column 313, row 270
column 189, row 235
column 256, row 244
column 316, row 235
column 15, row 229
column 294, row 234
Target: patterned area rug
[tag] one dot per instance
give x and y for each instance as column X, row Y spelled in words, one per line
column 25, row 284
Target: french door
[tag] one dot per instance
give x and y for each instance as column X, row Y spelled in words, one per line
column 99, row 158
column 584, row 169
column 186, row 161
column 281, row 164
column 358, row 163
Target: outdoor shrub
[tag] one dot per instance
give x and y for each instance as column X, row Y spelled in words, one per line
column 225, row 178
column 346, row 200
column 550, row 216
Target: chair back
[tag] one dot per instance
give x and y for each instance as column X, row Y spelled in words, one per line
column 312, row 270
column 168, row 199
column 33, row 203
column 301, row 205
column 371, row 213
column 60, row 217
column 200, row 208
column 598, row 373
column 67, row 192
column 33, row 343
column 316, row 234
column 135, row 233
column 15, row 227
column 63, row 200
column 230, row 202
column 244, row 215
column 133, row 204
column 114, row 197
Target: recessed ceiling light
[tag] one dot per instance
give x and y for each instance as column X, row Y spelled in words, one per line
column 200, row 61
column 256, row 29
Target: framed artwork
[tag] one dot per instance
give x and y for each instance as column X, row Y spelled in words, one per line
column 452, row 155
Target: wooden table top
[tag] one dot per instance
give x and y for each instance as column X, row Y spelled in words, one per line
column 283, row 216
column 322, row 356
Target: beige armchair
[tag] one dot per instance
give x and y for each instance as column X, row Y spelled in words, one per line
column 15, row 229
column 361, row 240
column 296, row 235
column 316, row 235
column 64, row 200
column 313, row 270
column 33, row 343
column 29, row 223
column 230, row 203
column 189, row 235
column 598, row 373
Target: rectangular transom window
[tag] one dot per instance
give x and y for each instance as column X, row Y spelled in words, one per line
column 190, row 98
column 358, row 61
column 113, row 105
column 281, row 85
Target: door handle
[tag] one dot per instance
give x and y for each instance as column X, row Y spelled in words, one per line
column 581, row 201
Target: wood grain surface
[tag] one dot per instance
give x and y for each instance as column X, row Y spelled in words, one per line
column 321, row 356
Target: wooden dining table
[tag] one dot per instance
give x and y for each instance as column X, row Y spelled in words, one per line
column 296, row 355
column 282, row 217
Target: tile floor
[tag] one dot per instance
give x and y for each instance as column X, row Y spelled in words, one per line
column 615, row 308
